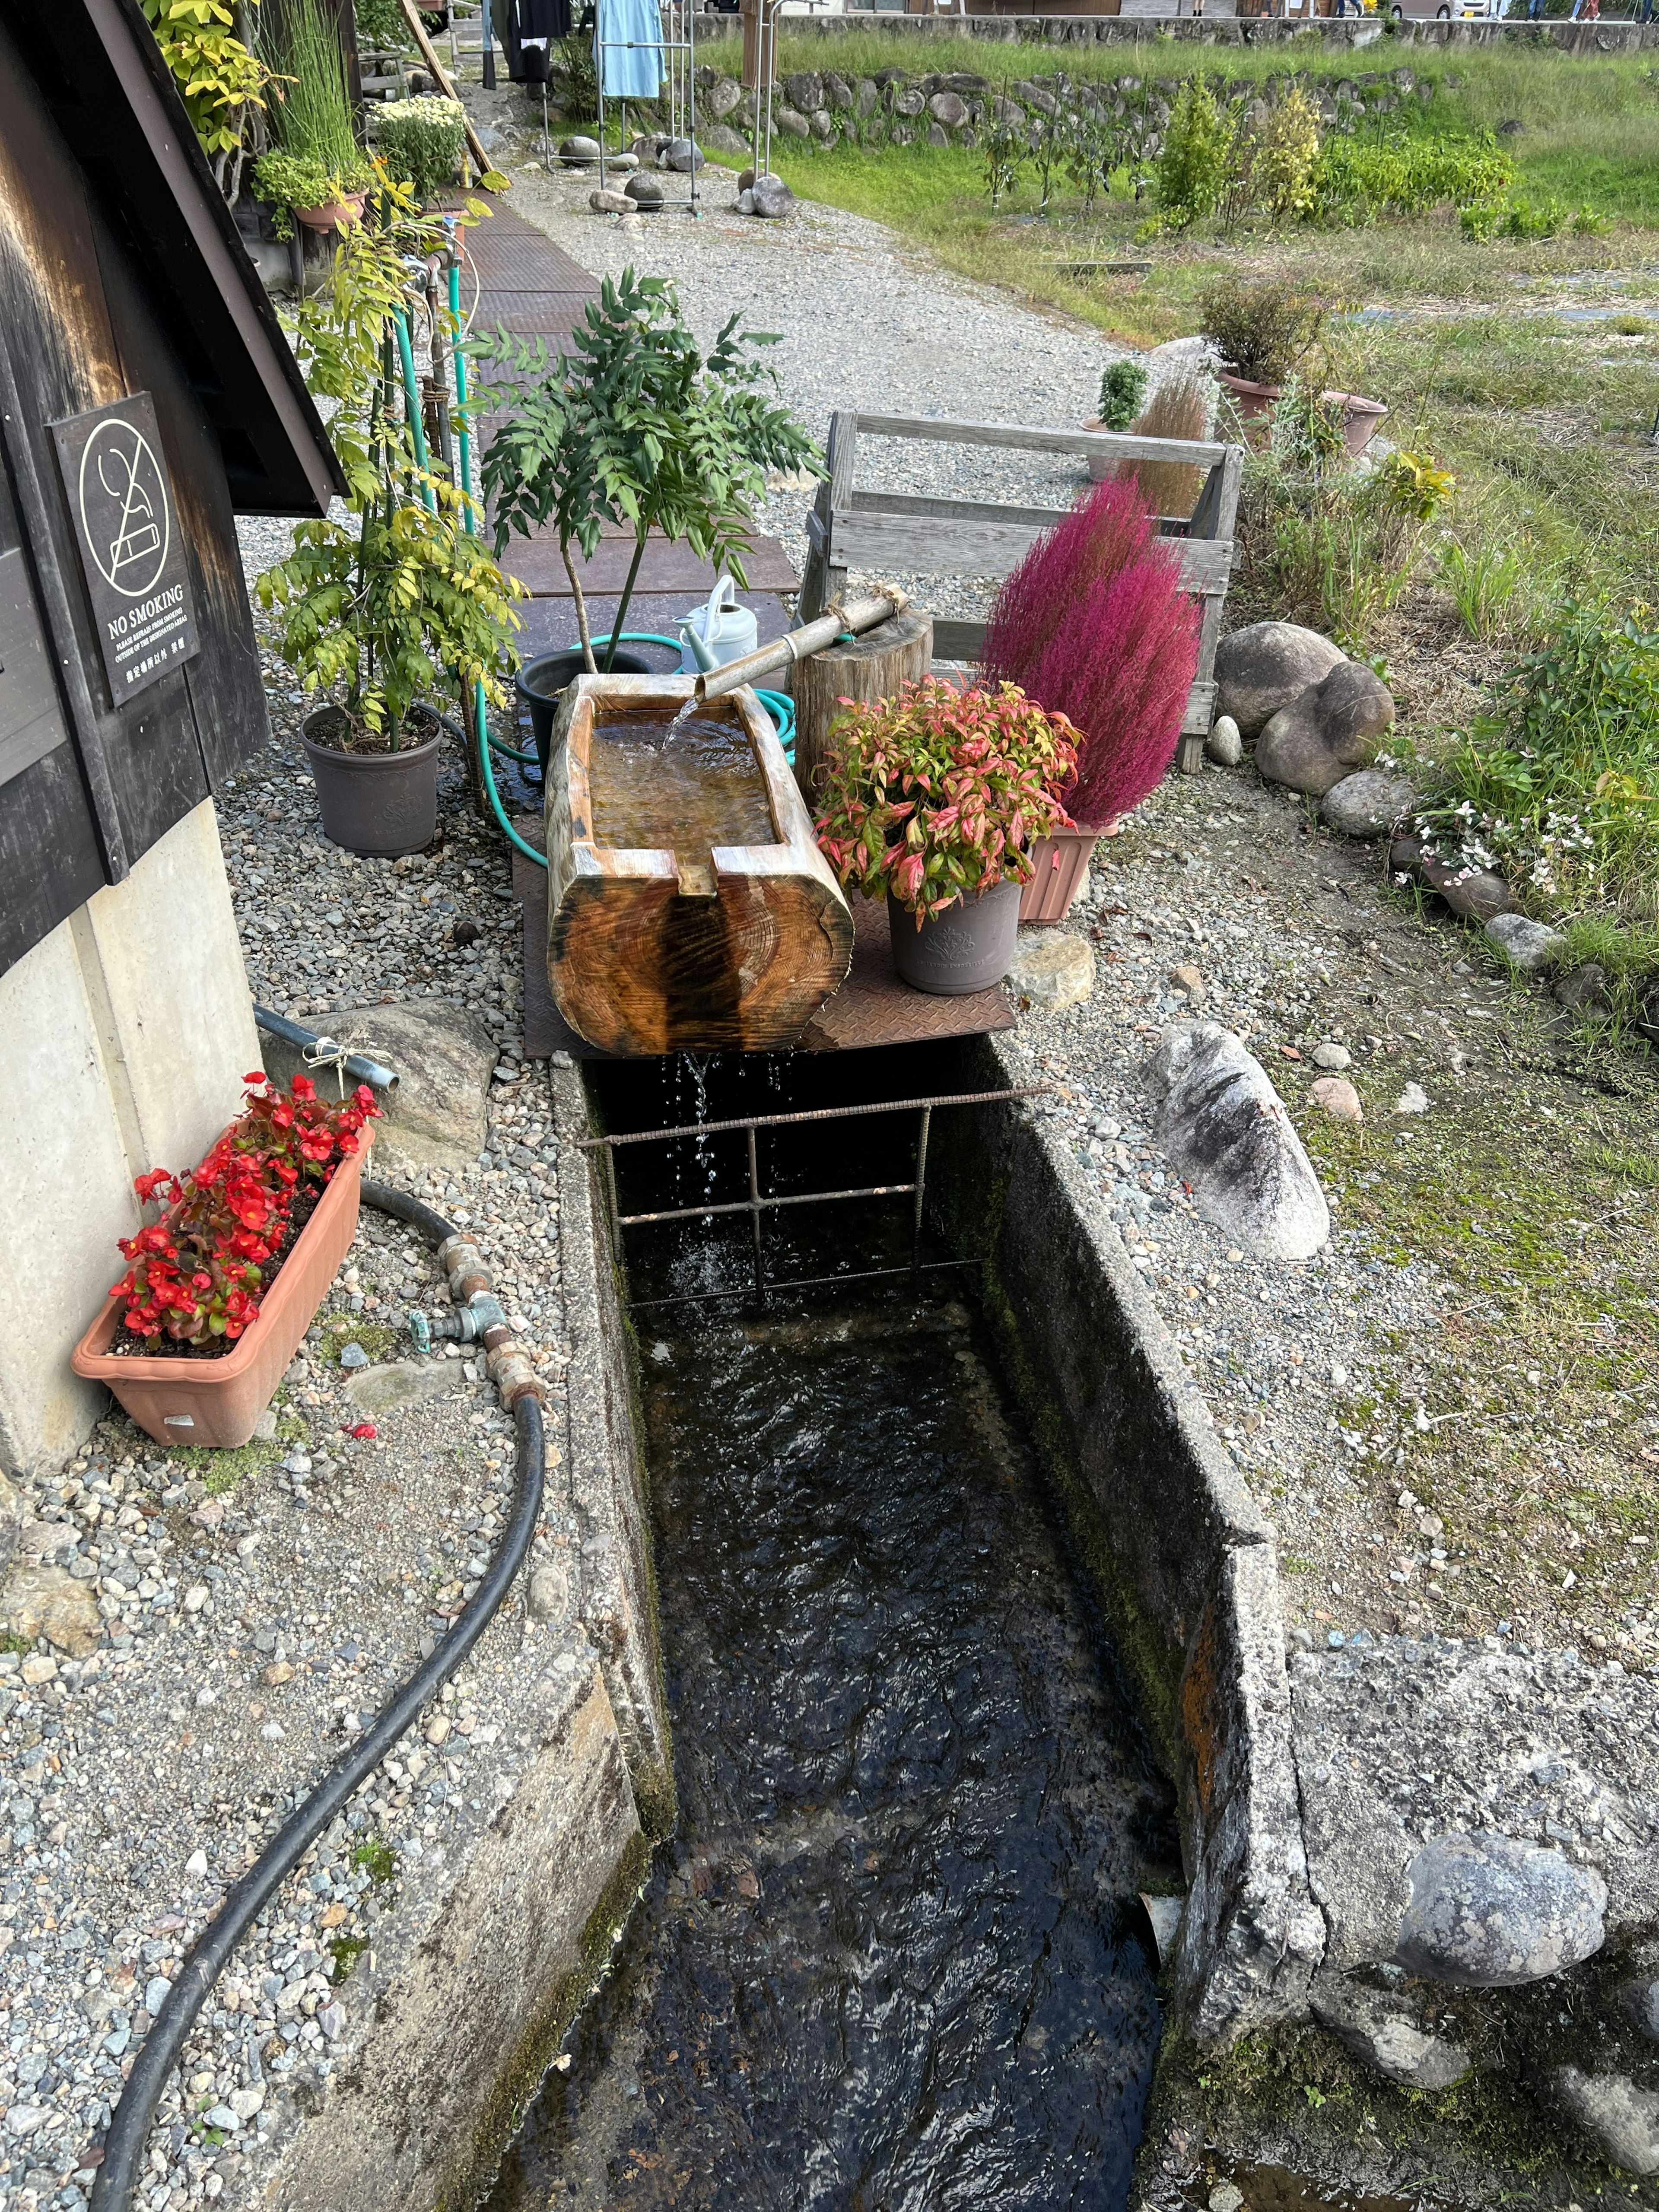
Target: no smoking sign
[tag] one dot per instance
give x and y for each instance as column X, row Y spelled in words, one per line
column 126, row 528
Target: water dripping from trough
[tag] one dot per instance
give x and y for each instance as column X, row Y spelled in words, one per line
column 893, row 1956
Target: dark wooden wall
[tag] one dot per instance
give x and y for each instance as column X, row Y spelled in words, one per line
column 77, row 331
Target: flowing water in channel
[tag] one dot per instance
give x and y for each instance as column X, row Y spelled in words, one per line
column 892, row 1958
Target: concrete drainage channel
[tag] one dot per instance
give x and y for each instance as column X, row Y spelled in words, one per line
column 1410, row 1874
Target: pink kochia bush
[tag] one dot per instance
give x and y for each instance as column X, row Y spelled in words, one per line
column 1093, row 624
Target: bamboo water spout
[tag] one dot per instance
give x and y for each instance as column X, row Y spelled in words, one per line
column 860, row 614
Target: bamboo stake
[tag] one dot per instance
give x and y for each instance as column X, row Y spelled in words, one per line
column 798, row 644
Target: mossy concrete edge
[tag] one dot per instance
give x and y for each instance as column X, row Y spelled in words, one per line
column 1183, row 1560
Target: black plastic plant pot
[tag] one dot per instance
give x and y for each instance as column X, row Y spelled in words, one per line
column 379, row 806
column 540, row 682
column 969, row 947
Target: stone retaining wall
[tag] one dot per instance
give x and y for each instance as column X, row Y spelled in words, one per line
column 1337, row 34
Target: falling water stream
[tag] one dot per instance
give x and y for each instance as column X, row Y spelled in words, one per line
column 893, row 1957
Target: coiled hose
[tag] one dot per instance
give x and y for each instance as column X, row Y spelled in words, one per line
column 124, row 2149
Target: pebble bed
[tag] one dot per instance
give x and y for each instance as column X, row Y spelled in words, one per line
column 261, row 1607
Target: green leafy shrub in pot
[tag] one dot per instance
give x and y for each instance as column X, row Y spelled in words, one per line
column 937, row 795
column 420, row 142
column 1123, row 390
column 316, row 159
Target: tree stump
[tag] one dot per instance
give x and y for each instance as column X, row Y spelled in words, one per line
column 868, row 667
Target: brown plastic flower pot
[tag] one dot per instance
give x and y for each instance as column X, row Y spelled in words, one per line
column 1061, row 869
column 218, row 1401
column 379, row 806
column 969, row 947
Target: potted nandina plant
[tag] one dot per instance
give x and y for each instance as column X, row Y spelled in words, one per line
column 220, row 1290
column 1094, row 625
column 383, row 616
column 934, row 800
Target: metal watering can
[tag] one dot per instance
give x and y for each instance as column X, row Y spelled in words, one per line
column 717, row 633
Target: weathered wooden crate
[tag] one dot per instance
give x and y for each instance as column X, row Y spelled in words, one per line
column 884, row 533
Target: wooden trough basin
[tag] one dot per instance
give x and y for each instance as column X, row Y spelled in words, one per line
column 689, row 907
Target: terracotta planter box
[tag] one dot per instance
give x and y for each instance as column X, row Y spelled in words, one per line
column 332, row 215
column 217, row 1401
column 1062, row 868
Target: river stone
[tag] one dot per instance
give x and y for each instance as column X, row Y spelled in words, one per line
column 1052, row 970
column 548, row 1597
column 1331, row 1056
column 1381, row 2033
column 1223, row 746
column 1226, row 1131
column 949, row 109
column 1366, row 804
column 608, row 203
column 48, row 1602
column 1265, row 667
column 1621, row 2120
column 1583, row 990
column 1487, row 1912
column 806, row 90
column 1337, row 1098
column 1476, row 893
column 791, row 120
column 1526, row 944
column 394, row 1389
column 443, row 1058
column 645, row 191
column 721, row 97
column 718, row 138
column 579, row 153
column 1330, row 729
column 683, row 154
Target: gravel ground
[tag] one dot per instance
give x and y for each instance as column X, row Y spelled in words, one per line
column 262, row 1604
column 883, row 331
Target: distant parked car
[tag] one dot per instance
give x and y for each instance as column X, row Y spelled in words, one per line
column 1449, row 11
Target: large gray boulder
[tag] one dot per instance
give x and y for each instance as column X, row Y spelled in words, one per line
column 1621, row 2120
column 1488, row 1912
column 721, row 97
column 1264, row 668
column 1366, row 804
column 1227, row 1132
column 1328, row 731
column 443, row 1058
column 1381, row 2033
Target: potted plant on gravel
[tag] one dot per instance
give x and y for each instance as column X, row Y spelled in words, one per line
column 634, row 428
column 220, row 1291
column 383, row 614
column 316, row 173
column 1094, row 625
column 933, row 800
column 422, row 140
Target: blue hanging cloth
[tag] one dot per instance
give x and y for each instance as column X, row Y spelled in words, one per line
column 628, row 49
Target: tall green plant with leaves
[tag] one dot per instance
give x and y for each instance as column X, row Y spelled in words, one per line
column 1002, row 149
column 1195, row 163
column 316, row 158
column 634, row 426
column 218, row 78
column 390, row 610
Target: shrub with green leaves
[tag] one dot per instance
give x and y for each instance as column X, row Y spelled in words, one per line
column 1122, row 391
column 1355, row 183
column 1195, row 165
column 1261, row 332
column 1558, row 787
column 421, row 141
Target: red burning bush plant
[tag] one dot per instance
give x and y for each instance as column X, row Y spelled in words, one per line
column 196, row 1277
column 1095, row 626
column 938, row 792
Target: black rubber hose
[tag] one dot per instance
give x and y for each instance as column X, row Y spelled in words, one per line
column 123, row 2147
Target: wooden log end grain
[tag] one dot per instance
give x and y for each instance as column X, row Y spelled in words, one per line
column 869, row 667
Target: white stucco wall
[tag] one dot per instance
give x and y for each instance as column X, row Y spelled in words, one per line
column 124, row 1039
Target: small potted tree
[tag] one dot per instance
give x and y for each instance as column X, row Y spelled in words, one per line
column 382, row 616
column 933, row 800
column 1264, row 334
column 1094, row 625
column 221, row 1286
column 635, row 428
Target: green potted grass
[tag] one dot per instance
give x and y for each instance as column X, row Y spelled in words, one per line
column 933, row 800
column 315, row 173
